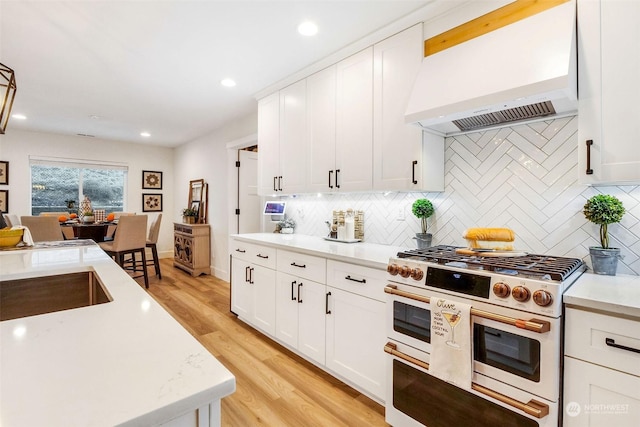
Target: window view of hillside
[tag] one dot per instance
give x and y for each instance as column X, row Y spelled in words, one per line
column 56, row 188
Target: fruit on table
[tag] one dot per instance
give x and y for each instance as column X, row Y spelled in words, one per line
column 73, row 216
column 111, row 216
column 62, row 218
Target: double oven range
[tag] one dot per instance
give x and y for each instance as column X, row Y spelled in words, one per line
column 516, row 328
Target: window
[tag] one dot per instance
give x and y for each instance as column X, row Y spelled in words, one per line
column 58, row 185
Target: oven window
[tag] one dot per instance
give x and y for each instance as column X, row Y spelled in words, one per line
column 436, row 403
column 506, row 351
column 412, row 321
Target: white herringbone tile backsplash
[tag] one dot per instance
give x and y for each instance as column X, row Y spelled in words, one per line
column 524, row 177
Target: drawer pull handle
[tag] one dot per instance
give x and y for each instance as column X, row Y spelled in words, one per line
column 612, row 343
column 246, row 273
column 589, row 171
column 293, row 298
column 326, row 303
column 251, row 275
column 263, row 256
column 298, row 265
column 241, row 251
column 299, row 297
column 356, row 280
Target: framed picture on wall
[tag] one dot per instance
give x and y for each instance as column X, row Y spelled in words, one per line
column 4, row 173
column 151, row 180
column 152, row 203
column 4, row 201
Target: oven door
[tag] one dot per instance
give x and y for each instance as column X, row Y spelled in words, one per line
column 526, row 359
column 415, row 398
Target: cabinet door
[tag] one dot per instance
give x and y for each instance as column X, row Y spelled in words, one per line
column 293, row 138
column 287, row 309
column 609, row 66
column 595, row 396
column 311, row 320
column 264, row 299
column 241, row 291
column 397, row 147
column 268, row 144
column 321, row 130
column 354, row 122
column 355, row 340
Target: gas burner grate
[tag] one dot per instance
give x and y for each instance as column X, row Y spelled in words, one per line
column 532, row 265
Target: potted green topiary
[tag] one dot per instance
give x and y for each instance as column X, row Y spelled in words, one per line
column 603, row 209
column 423, row 209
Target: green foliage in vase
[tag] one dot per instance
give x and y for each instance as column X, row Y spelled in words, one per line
column 603, row 209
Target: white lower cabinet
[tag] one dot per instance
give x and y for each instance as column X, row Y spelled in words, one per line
column 331, row 313
column 300, row 315
column 601, row 370
column 355, row 340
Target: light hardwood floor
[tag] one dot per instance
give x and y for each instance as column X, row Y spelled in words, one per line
column 275, row 387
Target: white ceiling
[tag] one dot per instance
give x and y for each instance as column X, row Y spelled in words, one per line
column 156, row 66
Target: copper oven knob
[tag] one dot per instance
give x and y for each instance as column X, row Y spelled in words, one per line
column 417, row 274
column 405, row 271
column 392, row 269
column 501, row 289
column 520, row 293
column 542, row 298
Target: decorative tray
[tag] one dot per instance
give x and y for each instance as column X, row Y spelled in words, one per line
column 331, row 239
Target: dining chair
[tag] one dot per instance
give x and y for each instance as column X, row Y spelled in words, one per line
column 43, row 228
column 111, row 230
column 152, row 240
column 11, row 219
column 131, row 238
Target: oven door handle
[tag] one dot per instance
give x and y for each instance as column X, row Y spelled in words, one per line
column 532, row 407
column 535, row 325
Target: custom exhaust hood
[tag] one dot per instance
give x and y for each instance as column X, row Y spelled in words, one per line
column 522, row 71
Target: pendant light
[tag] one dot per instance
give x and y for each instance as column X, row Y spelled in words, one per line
column 8, row 93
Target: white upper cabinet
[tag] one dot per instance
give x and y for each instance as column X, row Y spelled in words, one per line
column 321, row 130
column 397, row 147
column 282, row 141
column 354, row 122
column 609, row 66
column 268, row 144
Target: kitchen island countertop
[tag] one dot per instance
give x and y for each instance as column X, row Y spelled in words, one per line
column 615, row 294
column 362, row 253
column 124, row 362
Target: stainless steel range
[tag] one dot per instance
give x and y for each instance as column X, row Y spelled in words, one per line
column 516, row 328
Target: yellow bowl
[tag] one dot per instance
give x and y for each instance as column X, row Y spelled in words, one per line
column 9, row 238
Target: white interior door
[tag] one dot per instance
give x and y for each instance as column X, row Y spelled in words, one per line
column 248, row 200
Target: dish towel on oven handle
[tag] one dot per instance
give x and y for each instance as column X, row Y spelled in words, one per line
column 451, row 359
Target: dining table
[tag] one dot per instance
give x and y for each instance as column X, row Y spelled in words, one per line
column 96, row 231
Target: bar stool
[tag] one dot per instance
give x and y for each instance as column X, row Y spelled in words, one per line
column 130, row 239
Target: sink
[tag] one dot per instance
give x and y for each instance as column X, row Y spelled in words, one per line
column 40, row 295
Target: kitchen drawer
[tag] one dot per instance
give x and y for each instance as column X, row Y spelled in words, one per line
column 365, row 281
column 256, row 254
column 593, row 337
column 302, row 265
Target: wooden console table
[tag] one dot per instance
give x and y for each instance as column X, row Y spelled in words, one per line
column 191, row 248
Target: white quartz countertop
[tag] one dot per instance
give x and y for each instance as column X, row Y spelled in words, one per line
column 125, row 362
column 362, row 253
column 615, row 294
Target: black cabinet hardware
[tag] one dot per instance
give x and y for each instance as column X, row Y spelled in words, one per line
column 589, row 144
column 356, row 280
column 612, row 343
column 326, row 303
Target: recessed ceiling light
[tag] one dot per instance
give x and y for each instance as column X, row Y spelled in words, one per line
column 145, row 134
column 308, row 28
column 228, row 82
column 19, row 116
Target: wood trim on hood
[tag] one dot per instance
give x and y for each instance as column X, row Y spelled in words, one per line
column 491, row 21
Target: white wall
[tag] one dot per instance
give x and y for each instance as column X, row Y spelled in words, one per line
column 207, row 158
column 16, row 147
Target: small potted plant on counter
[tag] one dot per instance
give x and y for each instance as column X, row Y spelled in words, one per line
column 189, row 215
column 286, row 226
column 423, row 209
column 603, row 209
